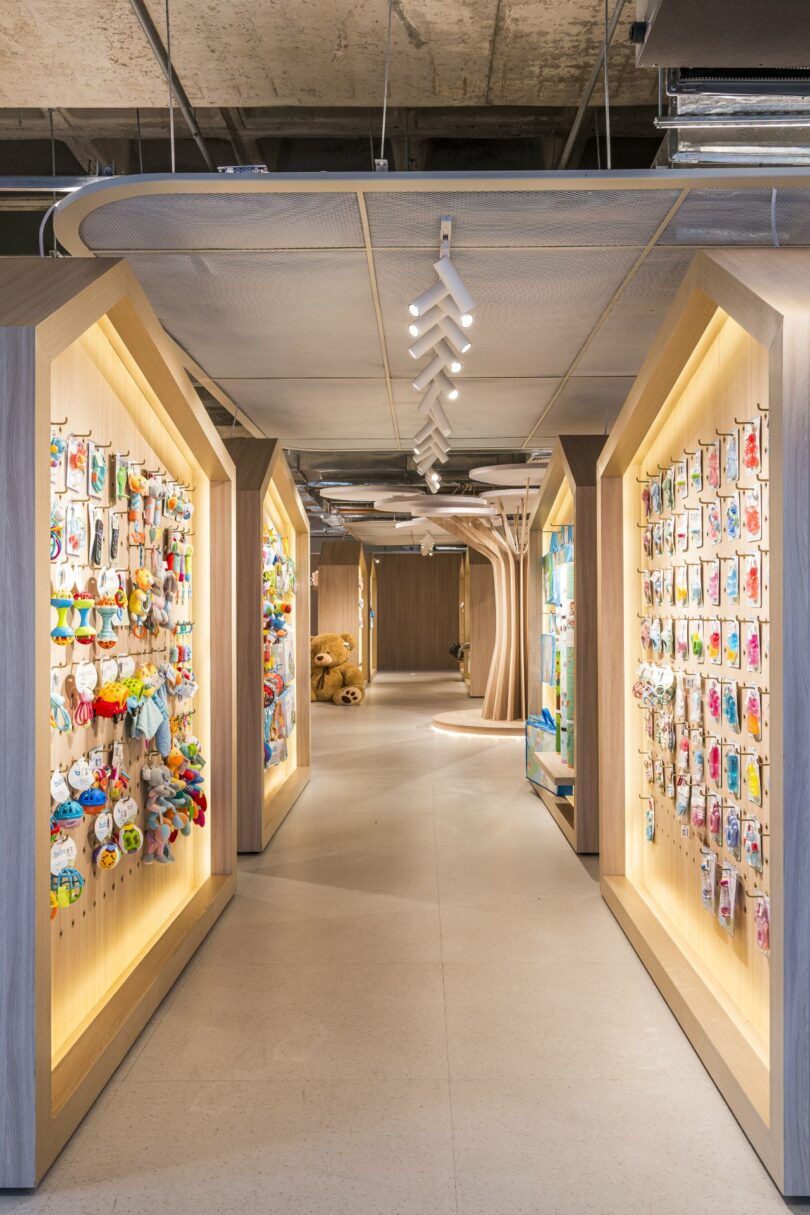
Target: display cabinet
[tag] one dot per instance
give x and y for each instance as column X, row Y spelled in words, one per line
column 343, row 595
column 562, row 691
column 704, row 551
column 117, row 726
column 272, row 557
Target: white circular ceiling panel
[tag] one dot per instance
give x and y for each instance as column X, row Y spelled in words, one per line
column 509, row 474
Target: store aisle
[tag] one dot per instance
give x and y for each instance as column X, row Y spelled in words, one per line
column 417, row 1005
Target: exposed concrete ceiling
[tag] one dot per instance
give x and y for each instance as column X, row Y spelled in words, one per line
column 92, row 53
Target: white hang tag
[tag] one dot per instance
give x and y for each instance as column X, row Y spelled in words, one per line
column 63, row 854
column 126, row 666
column 80, row 775
column 109, row 670
column 125, row 811
column 59, row 787
column 102, row 827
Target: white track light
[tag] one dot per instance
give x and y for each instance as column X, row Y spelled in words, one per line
column 427, row 340
column 427, row 462
column 429, row 372
column 446, row 386
column 430, row 396
column 428, row 319
column 424, row 431
column 451, row 330
column 436, row 412
column 465, row 319
column 455, row 287
column 424, row 302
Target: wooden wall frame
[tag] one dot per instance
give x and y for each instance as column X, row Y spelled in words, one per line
column 48, row 307
column 373, row 625
column 265, row 488
column 342, row 583
column 736, row 341
column 568, row 495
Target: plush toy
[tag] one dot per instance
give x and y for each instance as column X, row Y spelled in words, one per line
column 332, row 676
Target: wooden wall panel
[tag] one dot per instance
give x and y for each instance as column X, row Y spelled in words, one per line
column 482, row 621
column 417, row 620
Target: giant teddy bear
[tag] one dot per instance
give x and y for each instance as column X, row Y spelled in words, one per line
column 332, row 676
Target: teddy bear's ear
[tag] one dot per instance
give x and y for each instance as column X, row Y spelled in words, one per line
column 348, row 641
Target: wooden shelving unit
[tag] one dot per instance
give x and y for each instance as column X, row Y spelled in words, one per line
column 266, row 496
column 82, row 354
column 567, row 506
column 343, row 595
column 729, row 370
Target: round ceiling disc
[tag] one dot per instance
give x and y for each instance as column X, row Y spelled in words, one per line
column 386, row 501
column 452, row 500
column 511, row 499
column 356, row 493
column 427, row 510
column 509, row 474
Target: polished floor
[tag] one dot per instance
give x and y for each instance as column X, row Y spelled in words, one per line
column 416, row 1005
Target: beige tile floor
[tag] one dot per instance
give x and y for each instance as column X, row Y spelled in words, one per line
column 416, row 1004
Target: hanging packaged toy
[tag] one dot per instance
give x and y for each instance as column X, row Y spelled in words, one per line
column 645, row 501
column 708, row 879
column 97, row 465
column 679, row 476
column 696, row 470
column 752, row 513
column 714, row 817
column 646, row 587
column 753, row 713
column 656, row 586
column 682, row 794
column 681, row 532
column 714, row 763
column 713, row 464
column 76, row 531
column 646, row 540
column 659, row 773
column 62, row 633
column 714, row 642
column 714, row 523
column 732, row 832
column 730, row 712
column 696, row 584
column 648, row 767
column 76, row 475
column 752, row 579
column 682, row 638
column 713, row 582
column 695, row 527
column 733, row 643
column 762, row 917
column 753, row 781
column 683, row 754
column 733, row 771
column 668, row 489
column 732, row 455
column 733, row 516
column 696, row 639
column 667, row 594
column 698, row 763
column 655, row 495
column 669, row 536
column 752, row 844
column 681, row 586
column 732, row 581
column 727, row 904
column 694, row 700
column 667, row 638
column 57, row 529
column 714, row 703
column 697, row 808
column 669, row 782
column 751, row 446
column 658, row 539
column 649, row 821
column 752, row 647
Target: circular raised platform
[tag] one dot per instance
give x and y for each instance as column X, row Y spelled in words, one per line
column 470, row 721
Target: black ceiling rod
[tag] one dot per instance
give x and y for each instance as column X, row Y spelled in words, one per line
column 155, row 41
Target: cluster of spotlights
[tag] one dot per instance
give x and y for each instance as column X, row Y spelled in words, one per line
column 440, row 317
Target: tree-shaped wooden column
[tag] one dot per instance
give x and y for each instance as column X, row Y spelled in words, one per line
column 497, row 525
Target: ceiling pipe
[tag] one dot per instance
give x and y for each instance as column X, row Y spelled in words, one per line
column 590, row 86
column 153, row 37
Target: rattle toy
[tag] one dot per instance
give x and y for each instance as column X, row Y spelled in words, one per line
column 85, row 632
column 762, row 916
column 93, row 800
column 67, row 816
column 57, row 450
column 98, row 471
column 106, row 608
column 66, row 887
column 130, row 839
column 62, row 633
column 140, row 600
column 60, row 718
column 57, row 530
column 107, row 855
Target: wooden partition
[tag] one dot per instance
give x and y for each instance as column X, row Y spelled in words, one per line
column 373, row 609
column 343, row 595
column 479, row 619
column 566, row 625
column 84, row 363
column 704, row 551
column 268, row 505
column 418, row 599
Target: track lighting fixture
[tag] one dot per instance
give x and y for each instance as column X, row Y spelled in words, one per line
column 426, row 463
column 444, row 359
column 450, row 285
column 434, row 439
column 434, row 409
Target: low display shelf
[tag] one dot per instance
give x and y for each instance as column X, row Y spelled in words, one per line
column 562, row 673
column 704, row 547
column 116, row 745
column 273, row 711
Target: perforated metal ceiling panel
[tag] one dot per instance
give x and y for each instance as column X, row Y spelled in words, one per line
column 620, row 346
column 740, row 217
column 226, row 221
column 380, row 531
column 499, row 412
column 534, row 307
column 267, row 314
column 585, row 406
column 318, row 414
column 518, row 219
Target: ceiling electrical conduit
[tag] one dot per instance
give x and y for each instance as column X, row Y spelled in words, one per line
column 153, row 37
column 590, row 86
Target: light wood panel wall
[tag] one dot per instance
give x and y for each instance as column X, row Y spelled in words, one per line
column 266, row 493
column 79, row 340
column 480, row 620
column 735, row 345
column 418, row 598
column 343, row 594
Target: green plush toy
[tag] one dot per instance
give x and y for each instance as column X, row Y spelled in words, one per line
column 332, row 676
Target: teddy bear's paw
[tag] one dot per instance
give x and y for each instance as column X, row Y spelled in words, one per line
column 349, row 696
